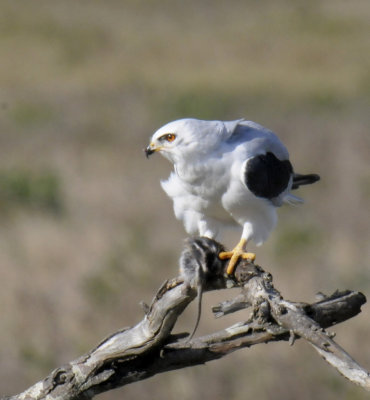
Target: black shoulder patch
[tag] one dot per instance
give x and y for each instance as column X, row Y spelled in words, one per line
column 266, row 176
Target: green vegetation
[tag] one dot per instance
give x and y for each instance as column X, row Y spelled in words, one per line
column 104, row 287
column 296, row 240
column 37, row 358
column 23, row 188
column 31, row 114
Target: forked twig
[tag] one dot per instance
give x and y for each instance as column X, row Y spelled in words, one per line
column 149, row 348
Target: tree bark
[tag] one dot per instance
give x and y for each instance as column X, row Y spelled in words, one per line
column 149, row 348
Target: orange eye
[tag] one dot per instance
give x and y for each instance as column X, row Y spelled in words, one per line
column 170, row 137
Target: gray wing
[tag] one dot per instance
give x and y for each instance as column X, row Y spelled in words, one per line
column 268, row 171
column 257, row 140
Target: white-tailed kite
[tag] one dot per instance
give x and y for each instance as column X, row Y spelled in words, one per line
column 227, row 173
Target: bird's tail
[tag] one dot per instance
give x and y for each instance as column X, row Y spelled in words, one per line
column 300, row 180
column 292, row 200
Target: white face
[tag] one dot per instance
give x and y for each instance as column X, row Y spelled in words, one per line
column 184, row 138
column 169, row 140
column 162, row 142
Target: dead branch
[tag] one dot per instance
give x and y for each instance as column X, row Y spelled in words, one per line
column 149, row 348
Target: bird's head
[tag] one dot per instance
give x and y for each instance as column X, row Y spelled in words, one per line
column 165, row 141
column 185, row 138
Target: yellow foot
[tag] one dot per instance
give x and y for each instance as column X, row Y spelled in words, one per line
column 235, row 254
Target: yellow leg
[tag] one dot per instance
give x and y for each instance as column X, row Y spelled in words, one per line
column 235, row 254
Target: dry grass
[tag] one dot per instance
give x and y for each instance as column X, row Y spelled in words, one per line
column 84, row 84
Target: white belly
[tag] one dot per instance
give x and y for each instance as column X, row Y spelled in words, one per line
column 216, row 199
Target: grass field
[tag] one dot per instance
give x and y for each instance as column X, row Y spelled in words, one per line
column 86, row 232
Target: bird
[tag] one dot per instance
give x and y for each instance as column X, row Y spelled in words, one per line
column 227, row 174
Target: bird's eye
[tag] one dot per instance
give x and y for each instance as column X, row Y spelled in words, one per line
column 169, row 137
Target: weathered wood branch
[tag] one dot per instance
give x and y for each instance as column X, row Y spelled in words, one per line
column 149, row 348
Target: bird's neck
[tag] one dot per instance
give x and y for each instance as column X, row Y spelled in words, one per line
column 194, row 167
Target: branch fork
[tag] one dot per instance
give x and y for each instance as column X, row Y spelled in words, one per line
column 149, row 347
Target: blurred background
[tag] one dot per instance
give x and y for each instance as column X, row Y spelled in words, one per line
column 86, row 232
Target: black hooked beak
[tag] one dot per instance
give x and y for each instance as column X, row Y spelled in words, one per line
column 148, row 151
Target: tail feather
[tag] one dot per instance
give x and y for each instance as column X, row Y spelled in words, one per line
column 292, row 200
column 299, row 180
